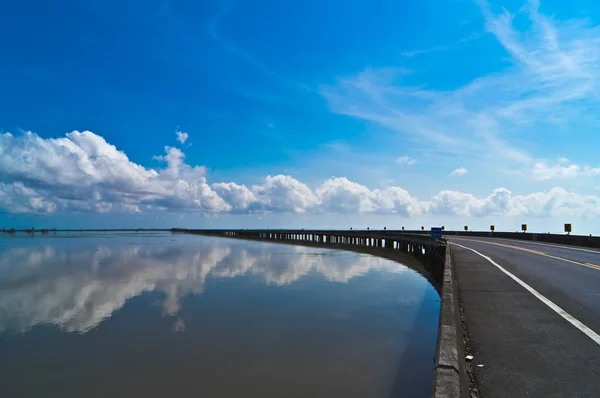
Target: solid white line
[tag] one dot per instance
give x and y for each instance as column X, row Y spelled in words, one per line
column 579, row 249
column 573, row 321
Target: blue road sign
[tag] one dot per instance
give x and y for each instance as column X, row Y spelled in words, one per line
column 436, row 232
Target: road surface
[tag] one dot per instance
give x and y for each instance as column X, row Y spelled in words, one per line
column 533, row 316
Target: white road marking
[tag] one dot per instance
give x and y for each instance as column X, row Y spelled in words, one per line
column 569, row 318
column 579, row 249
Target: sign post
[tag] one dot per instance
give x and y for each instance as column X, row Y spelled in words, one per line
column 436, row 232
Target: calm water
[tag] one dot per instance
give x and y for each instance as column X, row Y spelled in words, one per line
column 157, row 315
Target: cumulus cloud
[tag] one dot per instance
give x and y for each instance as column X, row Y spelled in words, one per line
column 239, row 197
column 77, row 288
column 461, row 171
column 341, row 195
column 284, row 193
column 556, row 202
column 464, row 204
column 81, row 172
column 181, row 136
column 552, row 203
column 19, row 199
column 405, row 160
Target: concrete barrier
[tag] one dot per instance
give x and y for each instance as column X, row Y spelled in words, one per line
column 561, row 239
column 450, row 375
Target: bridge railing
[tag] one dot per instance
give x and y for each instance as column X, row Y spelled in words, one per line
column 563, row 239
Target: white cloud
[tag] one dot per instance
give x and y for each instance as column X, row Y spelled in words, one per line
column 278, row 193
column 461, row 171
column 591, row 171
column 284, row 193
column 341, row 195
column 464, row 204
column 83, row 173
column 405, row 160
column 17, row 198
column 239, row 197
column 544, row 172
column 181, row 136
column 556, row 202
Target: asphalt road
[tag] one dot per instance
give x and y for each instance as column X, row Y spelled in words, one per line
column 528, row 349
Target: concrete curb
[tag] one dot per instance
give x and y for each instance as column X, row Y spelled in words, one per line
column 449, row 376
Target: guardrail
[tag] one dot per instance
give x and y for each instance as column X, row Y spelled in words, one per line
column 564, row 239
column 571, row 240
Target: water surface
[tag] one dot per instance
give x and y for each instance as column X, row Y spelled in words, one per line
column 160, row 314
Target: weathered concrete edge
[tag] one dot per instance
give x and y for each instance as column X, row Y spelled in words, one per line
column 449, row 376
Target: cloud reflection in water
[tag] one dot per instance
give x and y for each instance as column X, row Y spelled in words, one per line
column 76, row 287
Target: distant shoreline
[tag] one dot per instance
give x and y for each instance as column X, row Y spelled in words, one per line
column 36, row 231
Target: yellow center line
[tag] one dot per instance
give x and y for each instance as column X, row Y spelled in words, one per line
column 539, row 253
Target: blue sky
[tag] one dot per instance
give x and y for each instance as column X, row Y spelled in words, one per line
column 314, row 113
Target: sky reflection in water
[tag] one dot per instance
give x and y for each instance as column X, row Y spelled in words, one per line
column 156, row 314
